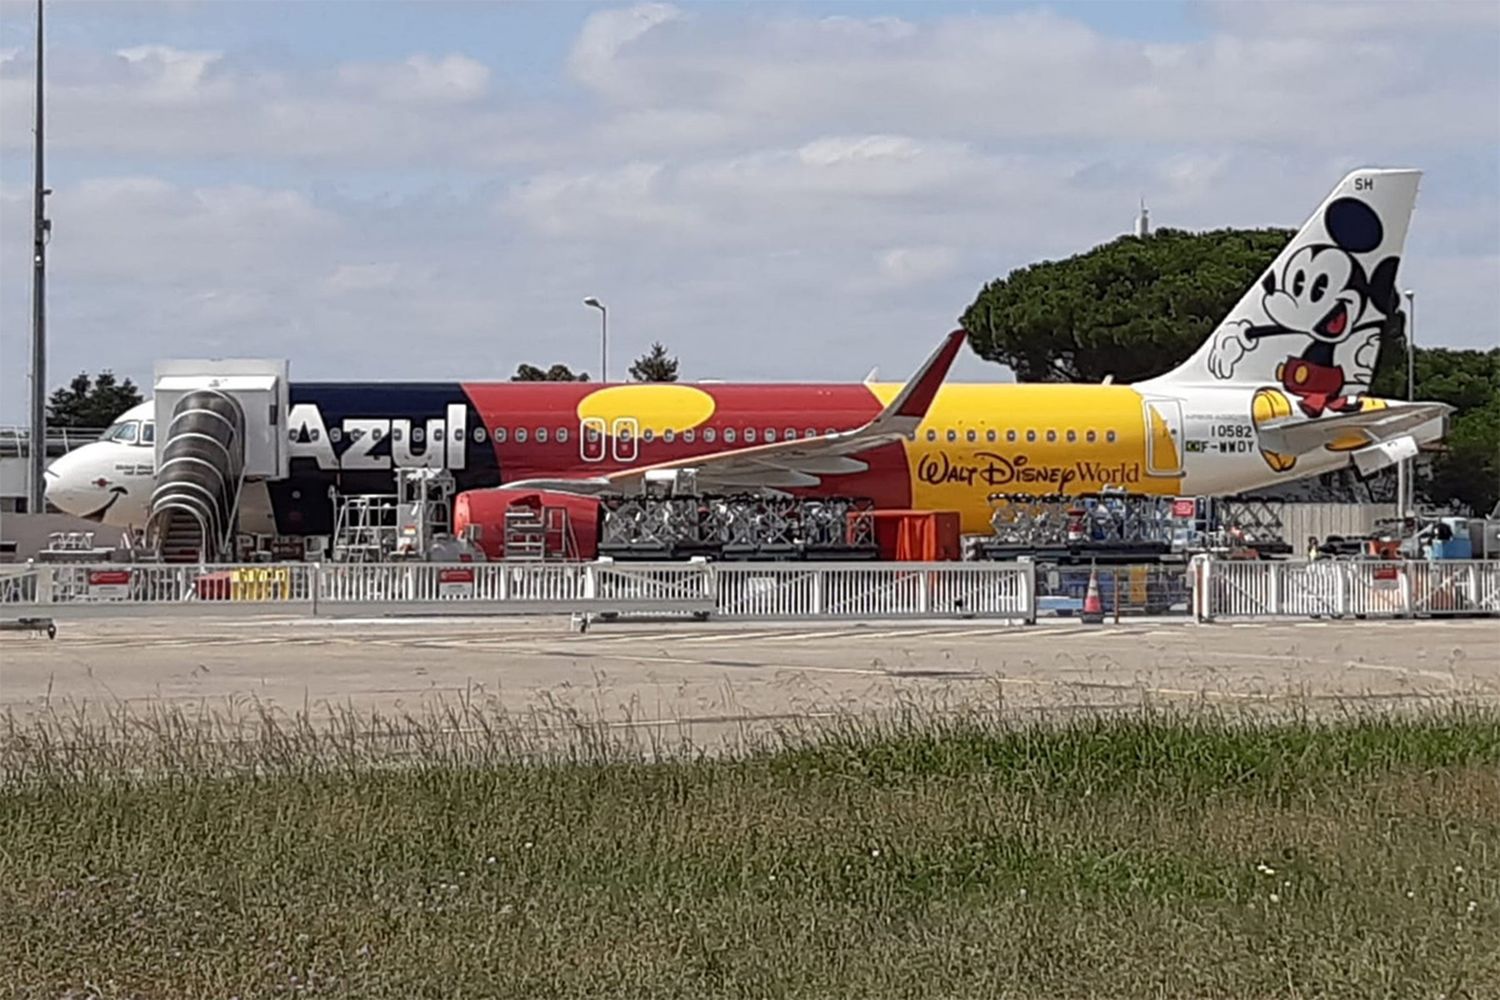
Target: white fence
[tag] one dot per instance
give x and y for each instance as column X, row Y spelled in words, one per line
column 729, row 591
column 1220, row 589
column 1329, row 588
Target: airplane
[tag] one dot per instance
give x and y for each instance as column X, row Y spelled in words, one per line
column 1278, row 391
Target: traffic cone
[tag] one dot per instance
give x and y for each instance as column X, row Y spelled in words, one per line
column 1093, row 608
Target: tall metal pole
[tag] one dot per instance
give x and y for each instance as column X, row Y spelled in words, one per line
column 594, row 303
column 37, row 486
column 1410, row 464
column 1411, row 345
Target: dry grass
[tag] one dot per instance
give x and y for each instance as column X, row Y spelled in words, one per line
column 1152, row 855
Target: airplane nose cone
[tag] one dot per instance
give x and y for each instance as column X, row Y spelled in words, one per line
column 65, row 489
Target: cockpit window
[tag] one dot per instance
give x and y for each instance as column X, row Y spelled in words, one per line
column 148, row 432
column 122, row 433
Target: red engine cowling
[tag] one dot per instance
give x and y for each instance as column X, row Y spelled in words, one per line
column 561, row 524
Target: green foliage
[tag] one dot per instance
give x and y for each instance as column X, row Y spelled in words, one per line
column 1133, row 308
column 557, row 373
column 1161, row 855
column 654, row 366
column 95, row 402
column 1136, row 308
column 1466, row 473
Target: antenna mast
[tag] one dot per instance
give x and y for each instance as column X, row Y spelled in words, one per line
column 36, row 501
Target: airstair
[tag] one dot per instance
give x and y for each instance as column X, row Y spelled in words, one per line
column 223, row 427
column 195, row 505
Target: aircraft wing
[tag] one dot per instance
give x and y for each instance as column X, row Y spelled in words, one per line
column 1297, row 436
column 787, row 464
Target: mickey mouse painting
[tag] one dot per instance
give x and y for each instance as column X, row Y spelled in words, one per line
column 1323, row 294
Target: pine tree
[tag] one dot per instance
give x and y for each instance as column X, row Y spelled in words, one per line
column 91, row 402
column 654, row 366
column 557, row 373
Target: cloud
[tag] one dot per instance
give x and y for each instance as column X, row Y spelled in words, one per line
column 421, row 79
column 916, row 265
column 160, row 73
column 770, row 193
column 605, row 34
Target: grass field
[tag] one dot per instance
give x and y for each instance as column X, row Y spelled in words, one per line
column 1156, row 855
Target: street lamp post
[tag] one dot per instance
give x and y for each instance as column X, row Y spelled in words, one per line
column 1406, row 479
column 1411, row 345
column 594, row 303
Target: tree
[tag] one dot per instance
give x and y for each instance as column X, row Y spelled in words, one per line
column 1137, row 307
column 557, row 373
column 91, row 402
column 654, row 366
column 1466, row 472
column 1132, row 308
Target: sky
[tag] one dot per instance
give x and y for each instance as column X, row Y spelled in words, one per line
column 775, row 191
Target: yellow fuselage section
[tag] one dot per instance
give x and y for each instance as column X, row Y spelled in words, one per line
column 981, row 440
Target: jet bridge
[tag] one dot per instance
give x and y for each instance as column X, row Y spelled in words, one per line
column 219, row 424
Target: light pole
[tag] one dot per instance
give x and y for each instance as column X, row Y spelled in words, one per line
column 1406, row 481
column 1411, row 345
column 36, row 493
column 594, row 303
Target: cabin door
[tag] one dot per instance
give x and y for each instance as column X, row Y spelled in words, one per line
column 1163, row 437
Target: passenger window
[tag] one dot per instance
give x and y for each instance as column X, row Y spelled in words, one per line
column 562, row 435
column 541, row 435
column 972, row 436
column 729, row 435
column 689, row 435
column 669, row 435
column 397, row 434
column 831, row 431
column 1031, row 435
column 1092, row 437
column 810, row 433
column 1051, row 436
column 710, row 435
column 520, row 435
column 592, row 433
column 952, row 434
column 648, row 435
column 790, row 435
column 1110, row 437
column 1072, row 436
column 932, row 435
column 480, row 435
column 749, row 435
column 770, row 435
column 989, row 436
column 1010, row 436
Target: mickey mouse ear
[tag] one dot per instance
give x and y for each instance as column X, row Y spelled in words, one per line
column 1353, row 225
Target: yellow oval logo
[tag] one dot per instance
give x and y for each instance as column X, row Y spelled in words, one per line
column 655, row 406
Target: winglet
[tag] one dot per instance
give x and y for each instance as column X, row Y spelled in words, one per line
column 917, row 395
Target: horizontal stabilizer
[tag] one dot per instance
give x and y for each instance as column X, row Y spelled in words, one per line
column 1297, row 436
column 1387, row 453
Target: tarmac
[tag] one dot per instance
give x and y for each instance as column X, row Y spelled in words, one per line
column 709, row 674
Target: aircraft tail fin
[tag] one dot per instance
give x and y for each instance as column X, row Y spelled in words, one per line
column 1312, row 323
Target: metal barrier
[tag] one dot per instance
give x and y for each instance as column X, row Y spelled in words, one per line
column 1219, row 588
column 733, row 591
column 1338, row 588
column 900, row 590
